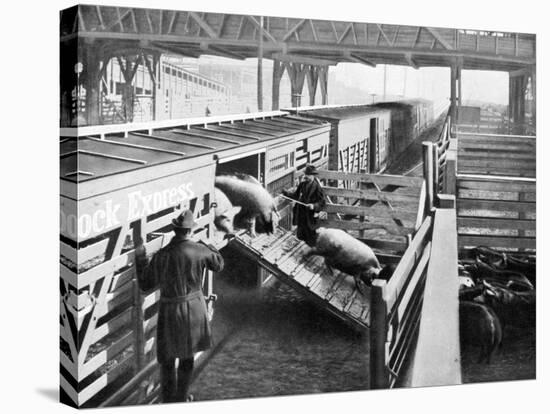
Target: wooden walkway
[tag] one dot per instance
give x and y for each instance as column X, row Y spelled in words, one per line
column 283, row 255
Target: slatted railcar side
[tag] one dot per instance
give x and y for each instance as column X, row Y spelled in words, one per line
column 409, row 118
column 359, row 136
column 120, row 183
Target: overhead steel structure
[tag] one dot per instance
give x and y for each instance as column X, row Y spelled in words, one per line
column 303, row 47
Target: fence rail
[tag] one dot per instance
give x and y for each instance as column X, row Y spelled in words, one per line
column 496, row 212
column 396, row 311
column 493, row 154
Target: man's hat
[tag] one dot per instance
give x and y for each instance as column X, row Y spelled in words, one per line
column 310, row 170
column 184, row 221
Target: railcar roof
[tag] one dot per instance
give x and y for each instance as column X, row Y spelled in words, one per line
column 340, row 112
column 89, row 157
column 402, row 103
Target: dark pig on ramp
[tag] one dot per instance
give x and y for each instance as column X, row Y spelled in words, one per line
column 344, row 252
column 258, row 211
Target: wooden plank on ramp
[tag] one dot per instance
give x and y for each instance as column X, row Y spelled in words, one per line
column 283, row 255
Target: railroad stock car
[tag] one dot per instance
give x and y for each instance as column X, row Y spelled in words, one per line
column 366, row 138
column 120, row 182
column 409, row 119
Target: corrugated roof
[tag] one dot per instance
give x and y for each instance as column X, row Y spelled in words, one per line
column 340, row 112
column 87, row 158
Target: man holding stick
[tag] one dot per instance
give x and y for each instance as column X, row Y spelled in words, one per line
column 310, row 199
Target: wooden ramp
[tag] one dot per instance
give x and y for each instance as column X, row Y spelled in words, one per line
column 283, row 255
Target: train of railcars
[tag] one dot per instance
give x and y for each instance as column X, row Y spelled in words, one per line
column 366, row 138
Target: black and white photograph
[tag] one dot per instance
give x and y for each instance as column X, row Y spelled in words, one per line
column 255, row 206
column 266, row 202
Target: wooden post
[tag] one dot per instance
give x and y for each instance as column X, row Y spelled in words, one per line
column 454, row 119
column 435, row 161
column 260, row 67
column 427, row 155
column 379, row 377
column 450, row 168
column 534, row 102
column 459, row 87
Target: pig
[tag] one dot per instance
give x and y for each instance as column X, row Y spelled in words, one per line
column 224, row 212
column 258, row 211
column 480, row 326
column 349, row 255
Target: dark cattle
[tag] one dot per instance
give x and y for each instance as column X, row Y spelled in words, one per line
column 480, row 326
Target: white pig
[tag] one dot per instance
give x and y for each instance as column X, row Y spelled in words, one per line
column 224, row 212
column 258, row 211
column 349, row 255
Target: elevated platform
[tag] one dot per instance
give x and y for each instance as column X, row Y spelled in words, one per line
column 283, row 255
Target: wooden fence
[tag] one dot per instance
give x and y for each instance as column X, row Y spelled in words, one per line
column 396, row 311
column 493, row 179
column 492, row 154
column 400, row 205
column 496, row 212
column 391, row 206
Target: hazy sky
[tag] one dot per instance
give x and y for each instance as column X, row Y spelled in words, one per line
column 431, row 83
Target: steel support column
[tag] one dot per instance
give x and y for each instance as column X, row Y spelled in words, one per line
column 260, row 66
column 323, row 83
column 516, row 102
column 92, row 66
column 312, row 76
column 297, row 73
column 278, row 71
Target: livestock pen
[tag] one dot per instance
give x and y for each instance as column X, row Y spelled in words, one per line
column 494, row 180
column 392, row 215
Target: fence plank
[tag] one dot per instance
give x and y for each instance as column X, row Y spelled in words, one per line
column 497, row 241
column 488, row 164
column 513, row 206
column 497, row 185
column 370, row 194
column 496, row 223
column 409, row 259
column 374, row 211
column 496, row 155
column 379, row 377
column 381, row 179
column 365, row 225
column 437, row 358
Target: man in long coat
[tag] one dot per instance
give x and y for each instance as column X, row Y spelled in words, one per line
column 183, row 328
column 310, row 193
